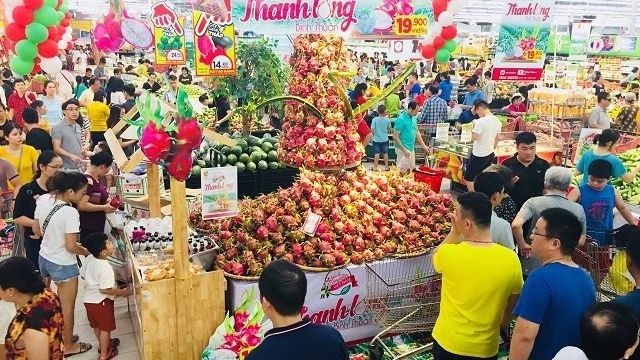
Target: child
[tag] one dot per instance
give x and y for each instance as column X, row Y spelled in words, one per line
column 100, row 291
column 517, row 106
column 381, row 125
column 598, row 199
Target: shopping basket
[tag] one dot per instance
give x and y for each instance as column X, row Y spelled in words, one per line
column 404, row 297
column 428, row 175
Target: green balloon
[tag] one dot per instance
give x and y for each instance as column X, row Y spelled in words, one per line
column 46, row 16
column 26, row 50
column 51, row 3
column 450, row 45
column 64, row 7
column 443, row 55
column 60, row 15
column 36, row 32
column 20, row 66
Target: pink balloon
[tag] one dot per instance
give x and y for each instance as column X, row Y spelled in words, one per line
column 99, row 31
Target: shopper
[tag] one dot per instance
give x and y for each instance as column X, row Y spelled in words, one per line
column 606, row 142
column 598, row 83
column 19, row 100
column 631, row 241
column 599, row 118
column 445, row 88
column 88, row 95
column 413, row 88
column 36, row 332
column 507, row 209
column 36, row 136
column 94, row 205
column 358, row 93
column 283, row 287
column 22, row 157
column 556, row 184
column 485, row 134
column 598, row 198
column 67, row 136
column 58, row 224
column 130, row 98
column 79, row 88
column 528, row 168
column 206, row 101
column 99, row 70
column 473, row 94
column 489, row 87
column 434, row 110
column 517, row 106
column 492, row 185
column 8, row 179
column 152, row 85
column 555, row 296
column 392, row 103
column 41, row 110
column 100, row 292
column 98, row 113
column 88, row 75
column 381, row 127
column 185, row 77
column 115, row 89
column 633, row 75
column 360, row 78
column 171, row 95
column 480, row 284
column 52, row 103
column 627, row 119
column 405, row 135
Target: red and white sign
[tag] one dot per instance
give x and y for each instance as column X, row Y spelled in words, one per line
column 521, row 74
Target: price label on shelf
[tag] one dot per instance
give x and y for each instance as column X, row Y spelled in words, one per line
column 533, row 55
column 411, row 25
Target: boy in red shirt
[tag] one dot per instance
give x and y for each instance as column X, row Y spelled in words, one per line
column 18, row 101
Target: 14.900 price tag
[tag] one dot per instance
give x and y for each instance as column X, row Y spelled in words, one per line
column 411, row 25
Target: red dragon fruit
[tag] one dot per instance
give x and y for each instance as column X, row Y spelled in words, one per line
column 189, row 133
column 180, row 165
column 155, row 143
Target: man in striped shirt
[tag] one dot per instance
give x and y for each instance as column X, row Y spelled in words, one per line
column 434, row 110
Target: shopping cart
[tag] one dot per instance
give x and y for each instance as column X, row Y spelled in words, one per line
column 404, row 297
column 7, row 227
column 606, row 264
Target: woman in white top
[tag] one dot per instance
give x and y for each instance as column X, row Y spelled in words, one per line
column 52, row 103
column 57, row 223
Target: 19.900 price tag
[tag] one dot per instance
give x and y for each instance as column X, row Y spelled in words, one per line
column 411, row 25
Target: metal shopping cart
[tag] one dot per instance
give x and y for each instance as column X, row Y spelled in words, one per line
column 606, row 264
column 404, row 297
column 7, row 228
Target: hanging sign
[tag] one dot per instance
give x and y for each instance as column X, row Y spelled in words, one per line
column 168, row 30
column 214, row 40
column 522, row 41
column 219, row 192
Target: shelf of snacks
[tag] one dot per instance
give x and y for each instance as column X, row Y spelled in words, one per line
column 560, row 104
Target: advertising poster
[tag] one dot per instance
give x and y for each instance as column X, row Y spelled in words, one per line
column 357, row 19
column 214, row 40
column 219, row 192
column 522, row 41
column 168, row 32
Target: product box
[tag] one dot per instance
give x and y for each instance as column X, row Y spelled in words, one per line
column 130, row 185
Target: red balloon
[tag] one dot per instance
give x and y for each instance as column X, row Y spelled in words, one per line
column 439, row 6
column 61, row 30
column 438, row 42
column 22, row 15
column 449, row 32
column 64, row 22
column 53, row 33
column 15, row 32
column 48, row 49
column 34, row 4
column 67, row 16
column 428, row 51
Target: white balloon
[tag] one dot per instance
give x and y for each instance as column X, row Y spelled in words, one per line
column 51, row 66
column 435, row 30
column 68, row 30
column 67, row 37
column 455, row 6
column 8, row 14
column 62, row 44
column 445, row 18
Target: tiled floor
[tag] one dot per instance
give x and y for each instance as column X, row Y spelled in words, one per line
column 128, row 349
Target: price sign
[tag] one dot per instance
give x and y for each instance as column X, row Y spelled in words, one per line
column 411, row 25
column 533, row 55
column 221, row 62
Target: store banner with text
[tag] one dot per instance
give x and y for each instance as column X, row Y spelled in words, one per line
column 214, row 40
column 357, row 19
column 522, row 41
column 168, row 31
column 219, row 192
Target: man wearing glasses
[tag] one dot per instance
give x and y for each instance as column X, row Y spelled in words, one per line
column 67, row 136
column 599, row 119
column 555, row 296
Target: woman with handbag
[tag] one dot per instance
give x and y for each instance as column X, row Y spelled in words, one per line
column 57, row 222
column 94, row 205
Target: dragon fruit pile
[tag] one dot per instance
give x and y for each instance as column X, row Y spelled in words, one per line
column 365, row 216
column 308, row 140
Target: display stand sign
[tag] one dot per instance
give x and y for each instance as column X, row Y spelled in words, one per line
column 442, row 131
column 214, row 38
column 168, row 30
column 571, row 75
column 522, row 41
column 549, row 74
column 585, row 142
column 466, row 133
column 219, row 192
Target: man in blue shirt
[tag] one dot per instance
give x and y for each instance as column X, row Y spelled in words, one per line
column 473, row 93
column 413, row 88
column 283, row 287
column 554, row 296
column 405, row 135
column 630, row 235
column 446, row 87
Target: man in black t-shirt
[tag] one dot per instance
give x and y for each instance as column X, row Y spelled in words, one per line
column 528, row 169
column 36, row 137
column 283, row 287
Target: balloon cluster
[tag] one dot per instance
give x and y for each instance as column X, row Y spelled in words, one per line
column 37, row 29
column 440, row 41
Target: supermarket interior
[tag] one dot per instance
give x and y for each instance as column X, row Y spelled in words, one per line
column 320, row 179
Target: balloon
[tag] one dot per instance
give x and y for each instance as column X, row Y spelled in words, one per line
column 60, row 15
column 436, row 29
column 67, row 16
column 450, row 45
column 46, row 16
column 22, row 15
column 445, row 19
column 51, row 3
column 442, row 56
column 449, row 32
column 455, row 6
column 21, row 67
column 48, row 49
column 15, row 32
column 26, row 50
column 62, row 44
column 439, row 6
column 67, row 37
column 51, row 66
column 438, row 42
column 65, row 22
column 33, row 4
column 36, row 32
column 64, row 7
column 53, row 33
column 428, row 51
column 36, row 69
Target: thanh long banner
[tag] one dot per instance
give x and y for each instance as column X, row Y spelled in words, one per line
column 522, row 41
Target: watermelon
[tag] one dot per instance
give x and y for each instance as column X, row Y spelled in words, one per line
column 254, row 141
column 255, row 156
column 195, row 171
column 236, row 135
column 266, row 147
column 244, row 158
column 273, row 165
column 276, row 146
column 266, row 136
column 271, row 140
column 242, row 143
column 262, row 165
column 225, row 150
column 241, row 167
column 272, row 156
column 251, row 166
column 237, row 150
column 232, row 159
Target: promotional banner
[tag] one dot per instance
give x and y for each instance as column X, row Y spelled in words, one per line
column 358, row 19
column 522, row 41
column 214, row 40
column 169, row 36
column 219, row 192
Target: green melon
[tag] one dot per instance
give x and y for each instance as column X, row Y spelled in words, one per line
column 273, row 165
column 232, row 159
column 262, row 165
column 266, row 147
column 272, row 156
column 256, row 156
column 245, row 158
column 251, row 166
column 241, row 167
